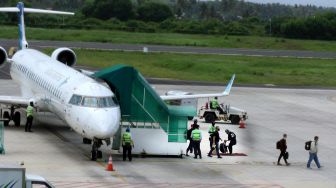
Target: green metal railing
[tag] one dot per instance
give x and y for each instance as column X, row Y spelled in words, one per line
column 141, row 106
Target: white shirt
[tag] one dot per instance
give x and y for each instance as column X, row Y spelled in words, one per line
column 313, row 147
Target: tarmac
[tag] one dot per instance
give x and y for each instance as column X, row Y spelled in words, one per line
column 56, row 152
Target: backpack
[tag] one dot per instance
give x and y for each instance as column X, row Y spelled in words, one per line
column 278, row 144
column 307, row 145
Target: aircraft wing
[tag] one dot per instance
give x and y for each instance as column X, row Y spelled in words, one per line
column 186, row 96
column 14, row 100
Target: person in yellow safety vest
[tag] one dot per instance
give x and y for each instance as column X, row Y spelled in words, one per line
column 215, row 105
column 127, row 144
column 211, row 131
column 196, row 136
column 30, row 115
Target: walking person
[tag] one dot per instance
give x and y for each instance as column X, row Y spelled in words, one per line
column 232, row 139
column 191, row 146
column 196, row 136
column 211, row 131
column 313, row 153
column 282, row 145
column 216, row 139
column 30, row 117
column 127, row 144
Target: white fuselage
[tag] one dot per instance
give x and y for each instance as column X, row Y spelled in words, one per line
column 83, row 103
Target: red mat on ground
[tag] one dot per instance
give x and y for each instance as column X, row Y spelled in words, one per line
column 233, row 154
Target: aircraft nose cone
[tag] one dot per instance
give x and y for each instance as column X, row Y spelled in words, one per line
column 106, row 122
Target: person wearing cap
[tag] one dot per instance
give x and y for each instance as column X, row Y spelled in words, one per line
column 215, row 105
column 127, row 144
column 313, row 153
column 232, row 139
column 216, row 139
column 191, row 146
column 30, row 117
column 196, row 136
column 211, row 131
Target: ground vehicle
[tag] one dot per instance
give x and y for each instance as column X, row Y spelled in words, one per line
column 231, row 114
column 15, row 176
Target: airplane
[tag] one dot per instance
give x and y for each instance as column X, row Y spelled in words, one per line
column 88, row 106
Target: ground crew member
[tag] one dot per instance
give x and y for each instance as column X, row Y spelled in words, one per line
column 196, row 136
column 127, row 144
column 191, row 146
column 232, row 139
column 211, row 131
column 216, row 138
column 283, row 149
column 29, row 111
column 313, row 153
column 215, row 105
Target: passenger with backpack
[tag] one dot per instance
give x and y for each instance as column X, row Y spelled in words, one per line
column 312, row 146
column 282, row 146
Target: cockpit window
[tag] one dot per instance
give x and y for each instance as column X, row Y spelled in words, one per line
column 97, row 102
column 90, row 102
column 76, row 100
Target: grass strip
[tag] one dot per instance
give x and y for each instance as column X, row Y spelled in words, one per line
column 218, row 68
column 253, row 42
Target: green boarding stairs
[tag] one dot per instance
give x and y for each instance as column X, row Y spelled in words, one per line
column 2, row 146
column 142, row 107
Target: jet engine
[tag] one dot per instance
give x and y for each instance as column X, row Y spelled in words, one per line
column 3, row 57
column 65, row 55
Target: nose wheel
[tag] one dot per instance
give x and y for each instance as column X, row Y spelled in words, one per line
column 95, row 152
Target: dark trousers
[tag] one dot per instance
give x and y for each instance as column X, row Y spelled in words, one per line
column 282, row 154
column 197, row 149
column 220, row 110
column 211, row 141
column 217, row 150
column 230, row 147
column 127, row 149
column 29, row 123
column 190, row 147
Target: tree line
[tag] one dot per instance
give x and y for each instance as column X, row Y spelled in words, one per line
column 224, row 17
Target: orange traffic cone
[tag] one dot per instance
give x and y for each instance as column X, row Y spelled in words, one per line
column 109, row 165
column 242, row 124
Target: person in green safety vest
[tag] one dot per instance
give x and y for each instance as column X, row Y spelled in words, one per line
column 30, row 117
column 211, row 131
column 127, row 144
column 196, row 136
column 215, row 105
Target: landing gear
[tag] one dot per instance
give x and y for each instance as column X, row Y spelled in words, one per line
column 95, row 152
column 6, row 116
column 12, row 115
column 17, row 119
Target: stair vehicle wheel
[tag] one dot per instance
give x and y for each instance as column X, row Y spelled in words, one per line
column 210, row 117
column 6, row 116
column 17, row 119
